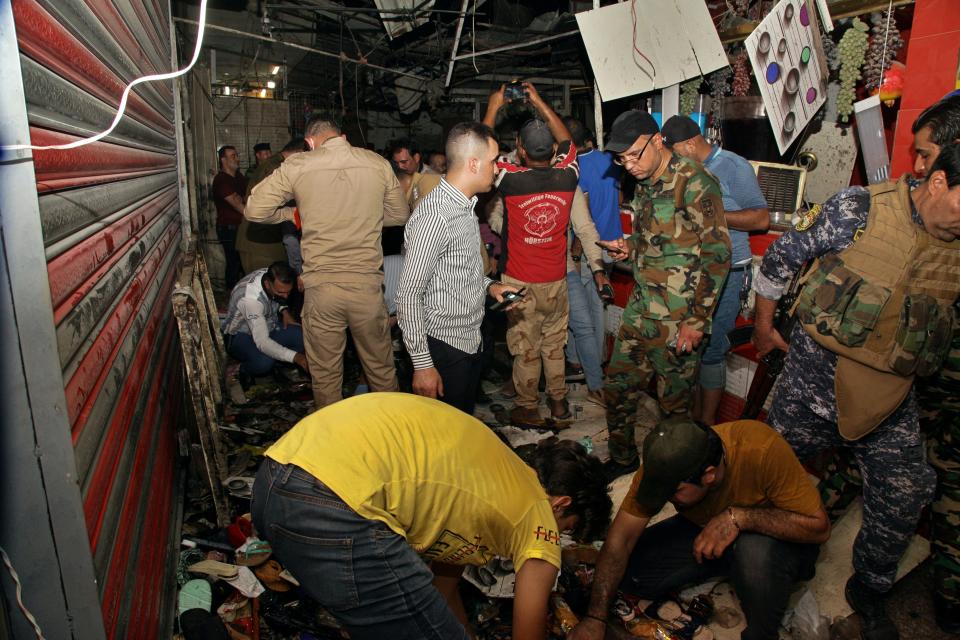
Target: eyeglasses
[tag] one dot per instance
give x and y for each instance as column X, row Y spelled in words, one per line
column 623, row 158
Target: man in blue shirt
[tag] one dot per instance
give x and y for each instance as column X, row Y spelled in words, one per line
column 746, row 210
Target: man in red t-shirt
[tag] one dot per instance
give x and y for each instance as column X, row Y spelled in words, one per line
column 537, row 198
column 229, row 196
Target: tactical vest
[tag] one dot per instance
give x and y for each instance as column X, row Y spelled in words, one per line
column 884, row 306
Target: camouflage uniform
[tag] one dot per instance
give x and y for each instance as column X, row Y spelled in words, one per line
column 939, row 399
column 898, row 482
column 680, row 257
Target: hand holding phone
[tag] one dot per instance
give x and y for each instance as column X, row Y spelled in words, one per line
column 509, row 297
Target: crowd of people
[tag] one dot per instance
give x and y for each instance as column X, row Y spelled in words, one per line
column 376, row 502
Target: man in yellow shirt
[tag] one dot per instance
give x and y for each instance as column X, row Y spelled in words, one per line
column 361, row 499
column 746, row 508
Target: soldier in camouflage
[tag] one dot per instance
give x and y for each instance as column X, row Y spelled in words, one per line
column 680, row 250
column 898, row 482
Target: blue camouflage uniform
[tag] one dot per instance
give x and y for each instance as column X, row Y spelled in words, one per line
column 897, row 480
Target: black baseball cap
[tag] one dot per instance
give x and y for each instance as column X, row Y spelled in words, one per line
column 261, row 146
column 677, row 129
column 629, row 126
column 536, row 138
column 675, row 450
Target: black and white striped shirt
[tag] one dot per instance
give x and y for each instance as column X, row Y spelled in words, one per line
column 442, row 286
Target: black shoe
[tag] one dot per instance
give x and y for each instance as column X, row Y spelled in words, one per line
column 573, row 373
column 874, row 623
column 613, row 470
column 947, row 614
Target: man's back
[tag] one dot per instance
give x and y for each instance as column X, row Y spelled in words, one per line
column 345, row 196
column 600, row 179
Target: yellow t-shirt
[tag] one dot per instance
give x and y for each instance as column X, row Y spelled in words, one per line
column 433, row 474
column 761, row 471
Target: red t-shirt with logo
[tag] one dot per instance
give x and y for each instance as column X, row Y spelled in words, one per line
column 537, row 206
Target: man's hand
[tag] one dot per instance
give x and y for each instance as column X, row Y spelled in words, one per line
column 288, row 320
column 301, row 361
column 532, row 96
column 688, row 339
column 427, row 382
column 617, row 249
column 496, row 291
column 300, row 284
column 588, row 629
column 719, row 534
column 604, row 288
column 766, row 339
column 495, row 102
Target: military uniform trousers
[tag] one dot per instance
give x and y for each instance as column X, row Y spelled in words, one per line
column 328, row 311
column 897, row 481
column 639, row 353
column 536, row 333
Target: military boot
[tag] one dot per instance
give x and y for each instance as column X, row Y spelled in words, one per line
column 874, row 623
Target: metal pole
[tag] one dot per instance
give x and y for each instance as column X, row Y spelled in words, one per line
column 597, row 103
column 456, row 42
column 338, row 56
column 186, row 229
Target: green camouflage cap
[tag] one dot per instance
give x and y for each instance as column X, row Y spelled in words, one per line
column 672, row 452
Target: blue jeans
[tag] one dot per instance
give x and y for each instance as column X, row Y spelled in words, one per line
column 253, row 361
column 763, row 570
column 227, row 235
column 713, row 362
column 366, row 575
column 586, row 326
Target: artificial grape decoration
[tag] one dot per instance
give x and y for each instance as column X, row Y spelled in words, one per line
column 880, row 56
column 853, row 48
column 689, row 91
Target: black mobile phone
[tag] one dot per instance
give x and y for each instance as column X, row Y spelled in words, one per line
column 508, row 298
column 514, row 91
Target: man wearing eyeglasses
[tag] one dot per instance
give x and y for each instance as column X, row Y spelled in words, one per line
column 680, row 251
column 745, row 508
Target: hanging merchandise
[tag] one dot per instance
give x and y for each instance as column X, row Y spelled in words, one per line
column 741, row 76
column 852, row 46
column 689, row 91
column 885, row 42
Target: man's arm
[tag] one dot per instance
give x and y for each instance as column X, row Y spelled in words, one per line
column 532, row 590
column 425, row 237
column 446, row 578
column 785, row 525
column 584, row 228
column 267, row 201
column 748, row 219
column 253, row 313
column 621, row 539
column 494, row 104
column 714, row 254
column 396, row 211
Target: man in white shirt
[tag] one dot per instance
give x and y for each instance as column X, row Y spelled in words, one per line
column 259, row 330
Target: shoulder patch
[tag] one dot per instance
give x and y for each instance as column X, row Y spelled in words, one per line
column 707, row 206
column 806, row 220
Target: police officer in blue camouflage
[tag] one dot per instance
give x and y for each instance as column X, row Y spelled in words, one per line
column 876, row 311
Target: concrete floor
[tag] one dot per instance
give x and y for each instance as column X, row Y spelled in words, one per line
column 910, row 602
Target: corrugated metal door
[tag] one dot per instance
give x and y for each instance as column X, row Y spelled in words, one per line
column 110, row 217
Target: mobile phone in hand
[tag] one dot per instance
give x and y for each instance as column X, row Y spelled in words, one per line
column 509, row 298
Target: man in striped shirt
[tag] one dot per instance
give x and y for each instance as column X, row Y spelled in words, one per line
column 442, row 286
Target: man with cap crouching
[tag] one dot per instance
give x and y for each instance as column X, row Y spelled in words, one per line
column 746, row 509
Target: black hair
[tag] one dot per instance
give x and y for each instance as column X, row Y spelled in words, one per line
column 565, row 469
column 714, row 454
column 477, row 131
column 319, row 124
column 948, row 161
column 297, row 144
column 943, row 118
column 281, row 272
column 578, row 133
column 396, row 146
column 222, row 151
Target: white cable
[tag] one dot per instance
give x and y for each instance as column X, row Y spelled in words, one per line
column 23, row 608
column 886, row 35
column 126, row 94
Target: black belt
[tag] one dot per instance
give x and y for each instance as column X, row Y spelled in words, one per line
column 742, row 267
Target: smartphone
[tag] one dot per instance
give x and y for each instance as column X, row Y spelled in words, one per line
column 514, row 91
column 508, row 298
column 606, row 293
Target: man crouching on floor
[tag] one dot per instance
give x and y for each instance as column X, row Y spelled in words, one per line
column 361, row 499
column 747, row 510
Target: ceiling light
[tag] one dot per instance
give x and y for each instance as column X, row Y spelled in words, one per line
column 276, row 70
column 226, row 91
column 271, row 84
column 263, row 93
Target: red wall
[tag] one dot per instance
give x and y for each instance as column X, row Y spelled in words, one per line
column 932, row 61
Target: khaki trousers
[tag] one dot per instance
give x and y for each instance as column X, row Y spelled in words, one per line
column 328, row 311
column 537, row 332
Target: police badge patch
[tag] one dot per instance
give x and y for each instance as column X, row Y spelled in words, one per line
column 807, row 219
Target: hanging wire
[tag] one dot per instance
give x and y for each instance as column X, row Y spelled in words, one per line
column 23, row 609
column 886, row 38
column 636, row 50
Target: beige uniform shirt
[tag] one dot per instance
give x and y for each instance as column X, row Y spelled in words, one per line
column 345, row 195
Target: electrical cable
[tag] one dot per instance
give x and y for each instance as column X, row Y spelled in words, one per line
column 473, row 37
column 23, row 609
column 886, row 38
column 126, row 94
column 636, row 50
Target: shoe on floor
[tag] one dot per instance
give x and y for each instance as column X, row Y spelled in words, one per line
column 947, row 614
column 526, row 417
column 868, row 603
column 613, row 469
column 508, row 391
column 559, row 408
column 596, row 397
column 573, row 372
